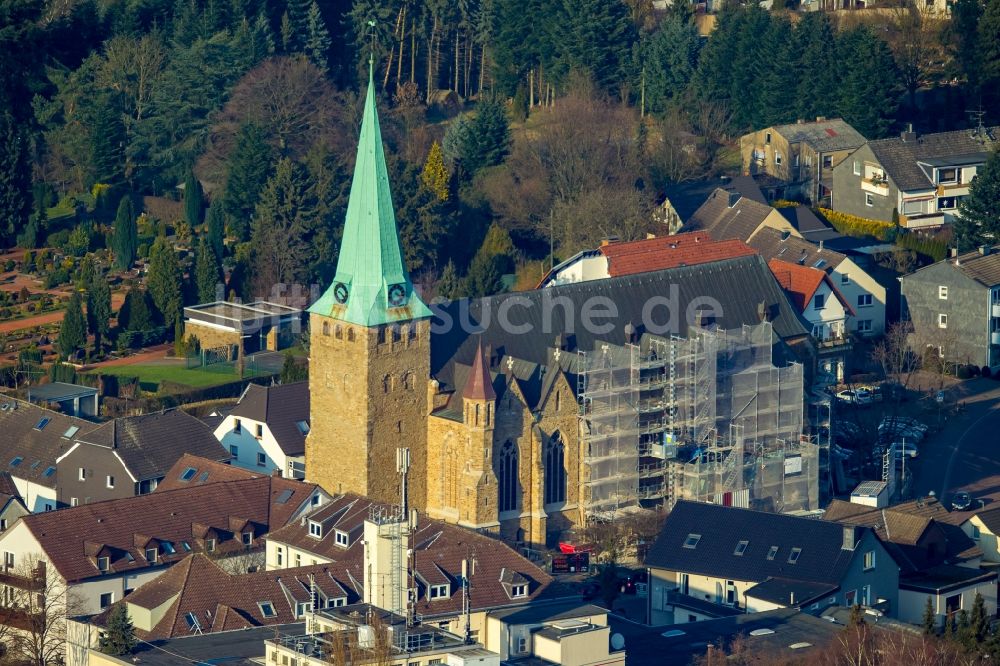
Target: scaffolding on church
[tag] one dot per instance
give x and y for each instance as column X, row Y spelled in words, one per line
column 709, row 417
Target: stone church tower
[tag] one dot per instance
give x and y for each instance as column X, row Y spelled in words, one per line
column 369, row 347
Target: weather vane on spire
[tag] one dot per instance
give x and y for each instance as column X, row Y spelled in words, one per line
column 371, row 41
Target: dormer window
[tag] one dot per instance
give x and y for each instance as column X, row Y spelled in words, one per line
column 151, row 554
column 442, row 592
column 103, row 564
column 210, row 545
column 315, row 529
column 168, row 548
column 336, row 602
column 518, row 591
column 302, row 607
column 247, row 538
column 267, row 609
column 342, row 539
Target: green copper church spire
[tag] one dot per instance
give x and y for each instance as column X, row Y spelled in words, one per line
column 372, row 285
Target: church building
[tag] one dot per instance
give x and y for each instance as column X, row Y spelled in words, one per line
column 490, row 416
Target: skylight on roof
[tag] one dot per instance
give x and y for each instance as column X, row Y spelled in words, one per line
column 793, row 557
column 266, row 609
column 284, row 497
column 192, row 622
column 35, row 464
column 762, row 632
column 692, row 541
column 820, row 263
column 42, row 423
column 771, row 553
column 741, row 548
column 49, row 471
column 672, row 633
column 186, row 546
column 70, row 431
column 168, row 547
column 16, row 461
column 188, row 474
column 303, row 427
column 129, row 556
column 203, row 478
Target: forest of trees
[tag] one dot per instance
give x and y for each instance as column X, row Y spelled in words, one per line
column 252, row 107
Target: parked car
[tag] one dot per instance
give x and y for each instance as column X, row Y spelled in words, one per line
column 961, row 501
column 855, row 396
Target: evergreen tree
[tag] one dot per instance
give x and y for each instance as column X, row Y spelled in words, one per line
column 31, row 237
column 870, row 84
column 435, row 175
column 989, row 56
column 498, row 243
column 207, row 273
column 15, row 181
column 192, row 200
column 280, row 254
column 485, row 276
column 126, row 235
column 963, row 38
column 818, row 67
column 980, row 210
column 297, row 34
column 449, row 285
column 929, row 620
column 164, row 282
column 118, row 639
column 135, row 315
column 107, row 141
column 487, row 141
column 249, row 169
column 668, row 60
column 98, row 309
column 979, row 620
column 73, row 331
column 215, row 221
column 317, row 42
column 592, row 37
column 291, row 370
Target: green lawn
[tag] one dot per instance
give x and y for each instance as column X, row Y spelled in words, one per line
column 150, row 375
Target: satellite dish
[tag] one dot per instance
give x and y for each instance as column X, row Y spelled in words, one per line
column 617, row 642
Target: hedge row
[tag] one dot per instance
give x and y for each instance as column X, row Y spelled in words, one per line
column 935, row 249
column 852, row 225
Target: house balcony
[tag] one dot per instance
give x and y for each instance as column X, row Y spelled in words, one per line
column 921, row 221
column 834, row 339
column 878, row 186
column 995, row 310
column 995, row 337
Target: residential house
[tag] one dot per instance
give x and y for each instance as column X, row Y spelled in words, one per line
column 936, row 559
column 71, row 399
column 11, row 505
column 823, row 307
column 983, row 527
column 190, row 470
column 954, row 306
column 710, row 557
column 267, row 429
column 681, row 200
column 559, row 632
column 920, row 178
column 727, row 214
column 248, row 327
column 35, row 438
column 102, row 551
column 802, row 155
column 197, row 596
column 862, row 291
column 130, row 455
column 616, row 258
column 356, row 536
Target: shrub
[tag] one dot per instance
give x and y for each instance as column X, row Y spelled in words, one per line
column 986, row 371
column 929, row 247
column 852, row 225
column 964, row 372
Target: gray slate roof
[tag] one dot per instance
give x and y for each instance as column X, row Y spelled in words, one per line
column 37, row 447
column 823, row 136
column 774, row 244
column 723, row 221
column 739, row 285
column 822, row 558
column 809, row 225
column 899, row 157
column 984, row 269
column 150, row 444
column 281, row 407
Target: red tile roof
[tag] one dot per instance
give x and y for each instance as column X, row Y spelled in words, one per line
column 221, row 601
column 205, row 471
column 438, row 550
column 121, row 529
column 655, row 254
column 801, row 282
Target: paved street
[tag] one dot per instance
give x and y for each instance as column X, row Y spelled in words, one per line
column 964, row 454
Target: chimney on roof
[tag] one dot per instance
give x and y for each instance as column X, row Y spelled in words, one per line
column 762, row 311
column 821, row 245
column 984, row 250
column 953, row 252
column 909, row 134
column 850, row 541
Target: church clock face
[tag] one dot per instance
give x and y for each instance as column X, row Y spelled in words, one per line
column 397, row 295
column 340, row 292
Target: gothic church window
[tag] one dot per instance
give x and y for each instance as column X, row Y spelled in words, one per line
column 338, row 332
column 507, row 477
column 326, row 328
column 555, row 469
column 350, row 335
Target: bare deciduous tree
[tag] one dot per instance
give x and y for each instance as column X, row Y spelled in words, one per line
column 39, row 609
